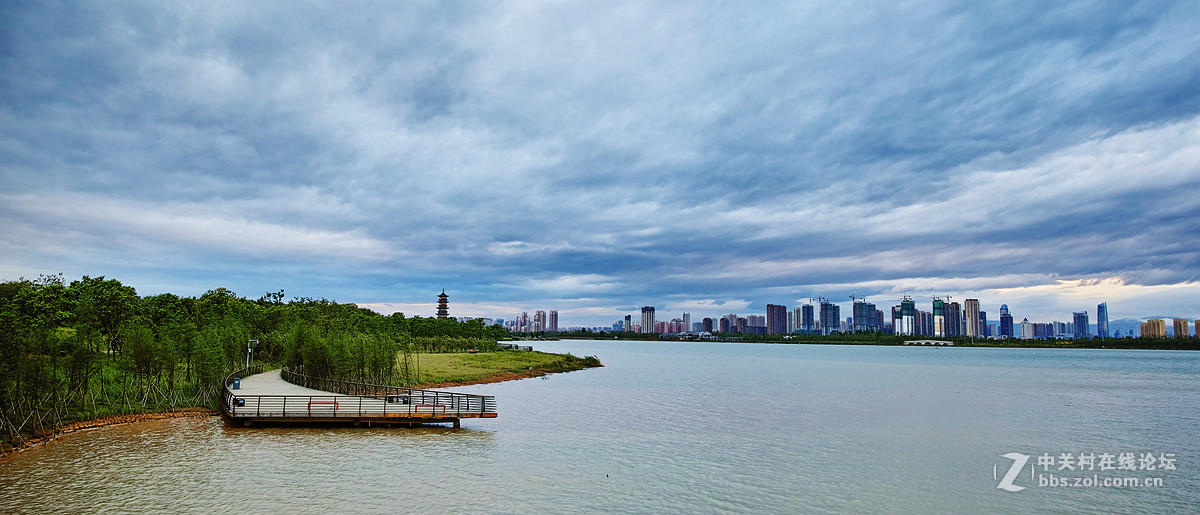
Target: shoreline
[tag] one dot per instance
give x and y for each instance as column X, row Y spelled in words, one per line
column 116, row 420
column 113, row 420
column 494, row 378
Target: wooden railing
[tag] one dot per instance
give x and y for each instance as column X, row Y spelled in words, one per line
column 333, row 406
column 350, row 399
column 444, row 402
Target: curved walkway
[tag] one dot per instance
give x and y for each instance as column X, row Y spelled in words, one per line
column 268, row 397
column 269, row 383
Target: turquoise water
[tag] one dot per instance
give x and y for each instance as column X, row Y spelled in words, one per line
column 682, row 428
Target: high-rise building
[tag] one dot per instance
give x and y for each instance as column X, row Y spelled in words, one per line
column 647, row 319
column 539, row 321
column 679, row 326
column 1082, row 327
column 628, row 323
column 908, row 317
column 896, row 319
column 1154, row 328
column 939, row 318
column 985, row 329
column 732, row 319
column 776, row 319
column 864, row 317
column 808, row 322
column 723, row 325
column 1181, row 328
column 830, row 313
column 1197, row 333
column 971, row 317
column 687, row 322
column 1102, row 320
column 1006, row 322
column 954, row 319
column 1026, row 330
column 756, row 324
column 552, row 324
column 791, row 320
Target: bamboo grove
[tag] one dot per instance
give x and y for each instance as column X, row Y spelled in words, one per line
column 93, row 348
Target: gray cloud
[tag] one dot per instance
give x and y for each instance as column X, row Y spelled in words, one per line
column 624, row 154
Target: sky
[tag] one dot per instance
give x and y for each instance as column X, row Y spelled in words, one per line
column 595, row 157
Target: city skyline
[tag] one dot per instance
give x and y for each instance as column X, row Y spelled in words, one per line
column 701, row 158
column 867, row 316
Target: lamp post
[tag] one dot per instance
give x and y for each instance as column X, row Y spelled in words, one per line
column 250, row 351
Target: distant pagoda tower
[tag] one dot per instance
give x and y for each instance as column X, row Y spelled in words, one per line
column 443, row 305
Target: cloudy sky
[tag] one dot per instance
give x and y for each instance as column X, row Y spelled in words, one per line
column 595, row 157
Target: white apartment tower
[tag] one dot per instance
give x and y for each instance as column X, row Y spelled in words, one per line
column 971, row 306
column 647, row 319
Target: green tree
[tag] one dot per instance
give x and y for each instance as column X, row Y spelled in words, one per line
column 104, row 305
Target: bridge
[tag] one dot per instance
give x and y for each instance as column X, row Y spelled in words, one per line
column 255, row 394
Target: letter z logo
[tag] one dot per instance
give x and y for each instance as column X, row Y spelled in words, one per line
column 1019, row 461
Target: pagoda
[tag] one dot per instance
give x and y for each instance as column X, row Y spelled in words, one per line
column 443, row 305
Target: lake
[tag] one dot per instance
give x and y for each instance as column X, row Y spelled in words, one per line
column 691, row 427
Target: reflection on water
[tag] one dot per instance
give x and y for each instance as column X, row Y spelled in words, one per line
column 674, row 427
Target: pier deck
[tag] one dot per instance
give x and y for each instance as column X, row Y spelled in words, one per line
column 267, row 397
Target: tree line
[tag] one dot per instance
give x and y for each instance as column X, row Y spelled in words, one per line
column 93, row 347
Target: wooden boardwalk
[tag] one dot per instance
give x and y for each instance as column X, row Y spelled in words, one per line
column 267, row 397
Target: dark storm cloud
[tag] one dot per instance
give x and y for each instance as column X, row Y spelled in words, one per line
column 600, row 156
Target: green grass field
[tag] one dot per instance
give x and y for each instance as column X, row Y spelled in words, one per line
column 461, row 367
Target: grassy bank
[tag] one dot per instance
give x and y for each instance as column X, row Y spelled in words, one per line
column 124, row 403
column 453, row 369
